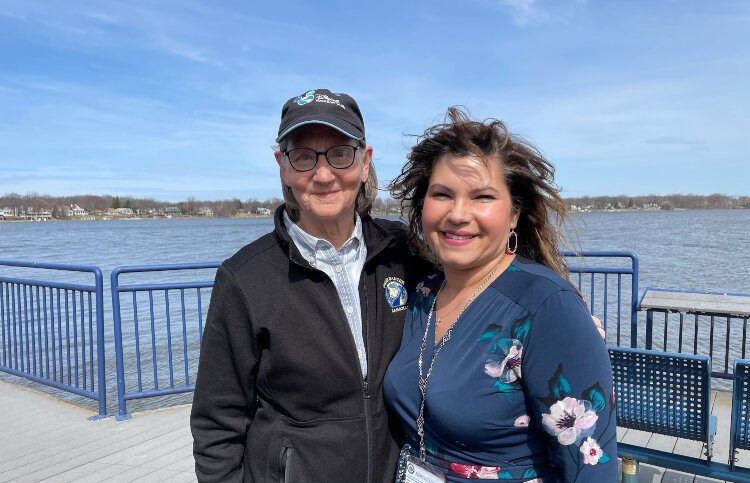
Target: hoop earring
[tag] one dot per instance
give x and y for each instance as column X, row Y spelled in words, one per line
column 514, row 236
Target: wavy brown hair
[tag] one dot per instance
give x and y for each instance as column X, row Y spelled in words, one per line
column 529, row 176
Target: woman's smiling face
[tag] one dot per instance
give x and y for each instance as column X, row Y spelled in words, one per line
column 468, row 212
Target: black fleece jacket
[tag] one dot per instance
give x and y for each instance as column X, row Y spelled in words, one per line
column 279, row 394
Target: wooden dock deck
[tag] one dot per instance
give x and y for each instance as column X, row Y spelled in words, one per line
column 45, row 439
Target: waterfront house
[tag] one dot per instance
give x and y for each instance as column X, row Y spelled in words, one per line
column 38, row 214
column 75, row 210
column 205, row 211
column 123, row 212
column 8, row 213
column 262, row 211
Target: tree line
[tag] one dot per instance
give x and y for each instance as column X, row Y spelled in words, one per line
column 660, row 202
column 58, row 205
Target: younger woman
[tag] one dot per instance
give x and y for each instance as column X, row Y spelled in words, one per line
column 500, row 374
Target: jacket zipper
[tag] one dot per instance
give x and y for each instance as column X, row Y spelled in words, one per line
column 365, row 385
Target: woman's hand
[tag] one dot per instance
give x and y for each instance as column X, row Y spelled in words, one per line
column 598, row 324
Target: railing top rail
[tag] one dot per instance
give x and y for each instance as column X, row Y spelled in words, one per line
column 163, row 267
column 53, row 266
column 48, row 284
column 623, row 271
column 588, row 255
column 164, row 286
column 603, row 254
column 695, row 302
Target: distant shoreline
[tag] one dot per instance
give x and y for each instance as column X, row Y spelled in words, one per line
column 375, row 214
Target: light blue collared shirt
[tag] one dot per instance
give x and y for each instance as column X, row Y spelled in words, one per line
column 344, row 268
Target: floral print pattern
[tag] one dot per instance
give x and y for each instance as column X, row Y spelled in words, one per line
column 475, row 472
column 509, row 368
column 568, row 419
column 520, row 379
column 591, row 451
column 522, row 421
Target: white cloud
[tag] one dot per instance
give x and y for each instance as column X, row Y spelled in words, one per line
column 528, row 12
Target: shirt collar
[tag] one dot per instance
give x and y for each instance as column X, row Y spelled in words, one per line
column 309, row 244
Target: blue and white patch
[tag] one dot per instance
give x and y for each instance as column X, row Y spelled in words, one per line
column 395, row 293
column 307, row 98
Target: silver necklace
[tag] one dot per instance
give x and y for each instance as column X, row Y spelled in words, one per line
column 422, row 381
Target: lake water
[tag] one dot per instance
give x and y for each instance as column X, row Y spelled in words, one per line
column 689, row 250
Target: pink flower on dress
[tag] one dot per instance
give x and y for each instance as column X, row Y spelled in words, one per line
column 568, row 418
column 509, row 369
column 591, row 451
column 522, row 421
column 476, row 472
column 425, row 290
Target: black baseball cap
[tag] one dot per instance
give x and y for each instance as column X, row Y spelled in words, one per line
column 321, row 106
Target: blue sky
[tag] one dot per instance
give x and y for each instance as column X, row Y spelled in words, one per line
column 176, row 98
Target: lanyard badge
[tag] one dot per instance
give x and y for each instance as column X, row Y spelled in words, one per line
column 418, row 471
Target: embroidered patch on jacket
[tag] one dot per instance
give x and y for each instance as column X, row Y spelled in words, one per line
column 395, row 293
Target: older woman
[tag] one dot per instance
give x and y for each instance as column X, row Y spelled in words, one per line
column 500, row 374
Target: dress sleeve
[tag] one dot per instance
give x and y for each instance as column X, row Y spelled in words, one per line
column 225, row 387
column 568, row 385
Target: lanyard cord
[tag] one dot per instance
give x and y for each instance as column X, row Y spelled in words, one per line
column 422, row 381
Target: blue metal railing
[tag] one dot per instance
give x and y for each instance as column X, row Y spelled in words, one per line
column 697, row 331
column 52, row 332
column 158, row 325
column 150, row 367
column 595, row 280
column 162, row 347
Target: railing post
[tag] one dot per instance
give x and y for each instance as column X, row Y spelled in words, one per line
column 122, row 413
column 634, row 303
column 649, row 328
column 100, row 354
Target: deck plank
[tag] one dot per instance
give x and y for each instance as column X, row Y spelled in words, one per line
column 52, row 440
column 68, row 447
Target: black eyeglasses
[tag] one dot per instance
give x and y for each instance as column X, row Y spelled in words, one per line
column 304, row 159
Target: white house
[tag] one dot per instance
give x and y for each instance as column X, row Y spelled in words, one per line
column 38, row 214
column 75, row 210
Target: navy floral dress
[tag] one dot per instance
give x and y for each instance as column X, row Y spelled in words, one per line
column 522, row 391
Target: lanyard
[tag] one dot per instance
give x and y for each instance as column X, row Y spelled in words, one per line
column 422, row 381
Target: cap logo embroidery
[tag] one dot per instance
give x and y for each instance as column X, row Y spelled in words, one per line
column 395, row 293
column 307, row 98
column 329, row 100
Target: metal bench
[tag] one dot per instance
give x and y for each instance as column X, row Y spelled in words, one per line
column 665, row 393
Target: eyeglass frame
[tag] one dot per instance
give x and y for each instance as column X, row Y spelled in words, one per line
column 324, row 154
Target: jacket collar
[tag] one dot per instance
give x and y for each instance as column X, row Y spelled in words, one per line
column 376, row 238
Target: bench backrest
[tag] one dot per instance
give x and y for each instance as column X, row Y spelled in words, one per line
column 662, row 392
column 740, row 438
